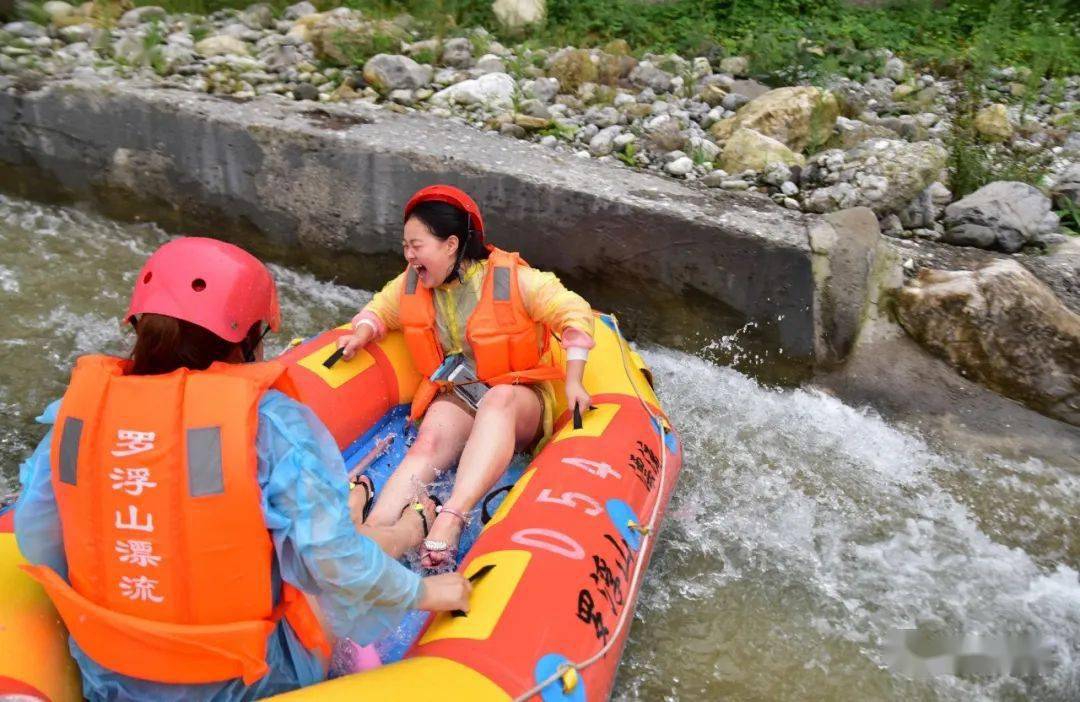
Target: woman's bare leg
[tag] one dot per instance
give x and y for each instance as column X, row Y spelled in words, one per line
column 404, row 535
column 442, row 435
column 508, row 418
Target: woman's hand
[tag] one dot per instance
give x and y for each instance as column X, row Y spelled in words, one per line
column 444, row 593
column 576, row 394
column 355, row 341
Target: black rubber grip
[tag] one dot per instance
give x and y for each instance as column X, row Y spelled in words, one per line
column 474, row 578
column 334, row 358
column 485, row 506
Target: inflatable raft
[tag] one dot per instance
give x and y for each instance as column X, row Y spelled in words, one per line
column 557, row 550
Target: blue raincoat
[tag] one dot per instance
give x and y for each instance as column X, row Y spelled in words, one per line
column 305, row 504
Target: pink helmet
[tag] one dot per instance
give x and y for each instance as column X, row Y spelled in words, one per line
column 207, row 282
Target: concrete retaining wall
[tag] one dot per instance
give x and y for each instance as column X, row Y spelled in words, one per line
column 336, row 177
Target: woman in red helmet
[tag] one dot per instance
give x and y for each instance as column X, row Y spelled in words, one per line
column 182, row 505
column 471, row 312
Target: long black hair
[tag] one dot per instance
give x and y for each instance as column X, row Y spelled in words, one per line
column 444, row 220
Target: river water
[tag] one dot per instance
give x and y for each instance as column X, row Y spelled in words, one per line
column 802, row 533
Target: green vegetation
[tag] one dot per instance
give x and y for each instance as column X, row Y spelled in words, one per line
column 817, row 36
column 1070, row 216
column 1045, row 52
column 155, row 37
column 564, row 132
column 355, row 48
column 628, row 154
column 786, row 39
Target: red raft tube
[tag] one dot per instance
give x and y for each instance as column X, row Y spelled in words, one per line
column 557, row 568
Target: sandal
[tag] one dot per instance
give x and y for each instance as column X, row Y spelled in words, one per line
column 432, row 546
column 368, row 484
column 419, row 507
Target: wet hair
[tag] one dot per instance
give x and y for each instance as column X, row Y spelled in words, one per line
column 164, row 344
column 444, row 220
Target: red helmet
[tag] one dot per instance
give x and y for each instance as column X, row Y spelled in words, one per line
column 207, row 282
column 451, row 196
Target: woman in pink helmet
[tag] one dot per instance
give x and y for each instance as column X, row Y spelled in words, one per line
column 469, row 313
column 180, row 503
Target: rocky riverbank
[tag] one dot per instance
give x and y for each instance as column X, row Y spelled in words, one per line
column 883, row 139
column 882, row 134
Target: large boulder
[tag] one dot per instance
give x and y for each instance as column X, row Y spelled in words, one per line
column 495, row 90
column 1002, row 327
column 748, row 150
column 665, row 134
column 647, row 75
column 25, row 29
column 1003, row 215
column 849, row 133
column 735, row 65
column 457, row 52
column 141, row 15
column 300, row 9
column 221, row 45
column 258, row 16
column 1059, row 269
column 58, row 11
column 1067, row 187
column 303, row 28
column 923, row 211
column 518, row 14
column 882, row 174
column 385, row 72
column 799, row 116
column 992, row 123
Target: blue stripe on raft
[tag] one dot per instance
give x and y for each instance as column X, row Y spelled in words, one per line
column 670, row 440
column 548, row 666
column 622, row 515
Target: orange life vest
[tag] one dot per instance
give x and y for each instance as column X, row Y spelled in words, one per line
column 169, row 558
column 502, row 335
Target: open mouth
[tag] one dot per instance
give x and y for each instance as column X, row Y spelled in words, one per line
column 420, row 269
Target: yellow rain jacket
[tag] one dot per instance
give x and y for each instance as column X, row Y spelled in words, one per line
column 546, row 300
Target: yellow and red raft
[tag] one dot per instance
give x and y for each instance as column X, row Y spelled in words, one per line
column 566, row 547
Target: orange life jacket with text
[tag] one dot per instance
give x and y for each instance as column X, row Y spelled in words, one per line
column 169, row 558
column 503, row 337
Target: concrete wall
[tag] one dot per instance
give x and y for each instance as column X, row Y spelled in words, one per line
column 335, row 178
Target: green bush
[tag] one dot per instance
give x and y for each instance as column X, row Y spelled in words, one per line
column 354, row 48
column 1070, row 216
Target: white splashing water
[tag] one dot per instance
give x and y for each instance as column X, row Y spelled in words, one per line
column 803, row 531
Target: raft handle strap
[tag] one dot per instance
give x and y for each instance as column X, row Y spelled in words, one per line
column 485, row 506
column 333, row 358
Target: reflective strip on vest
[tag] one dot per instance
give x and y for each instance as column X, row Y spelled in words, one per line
column 501, row 291
column 411, row 279
column 205, row 472
column 69, row 450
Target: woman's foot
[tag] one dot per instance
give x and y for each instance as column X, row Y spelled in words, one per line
column 418, row 516
column 439, row 550
column 361, row 499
